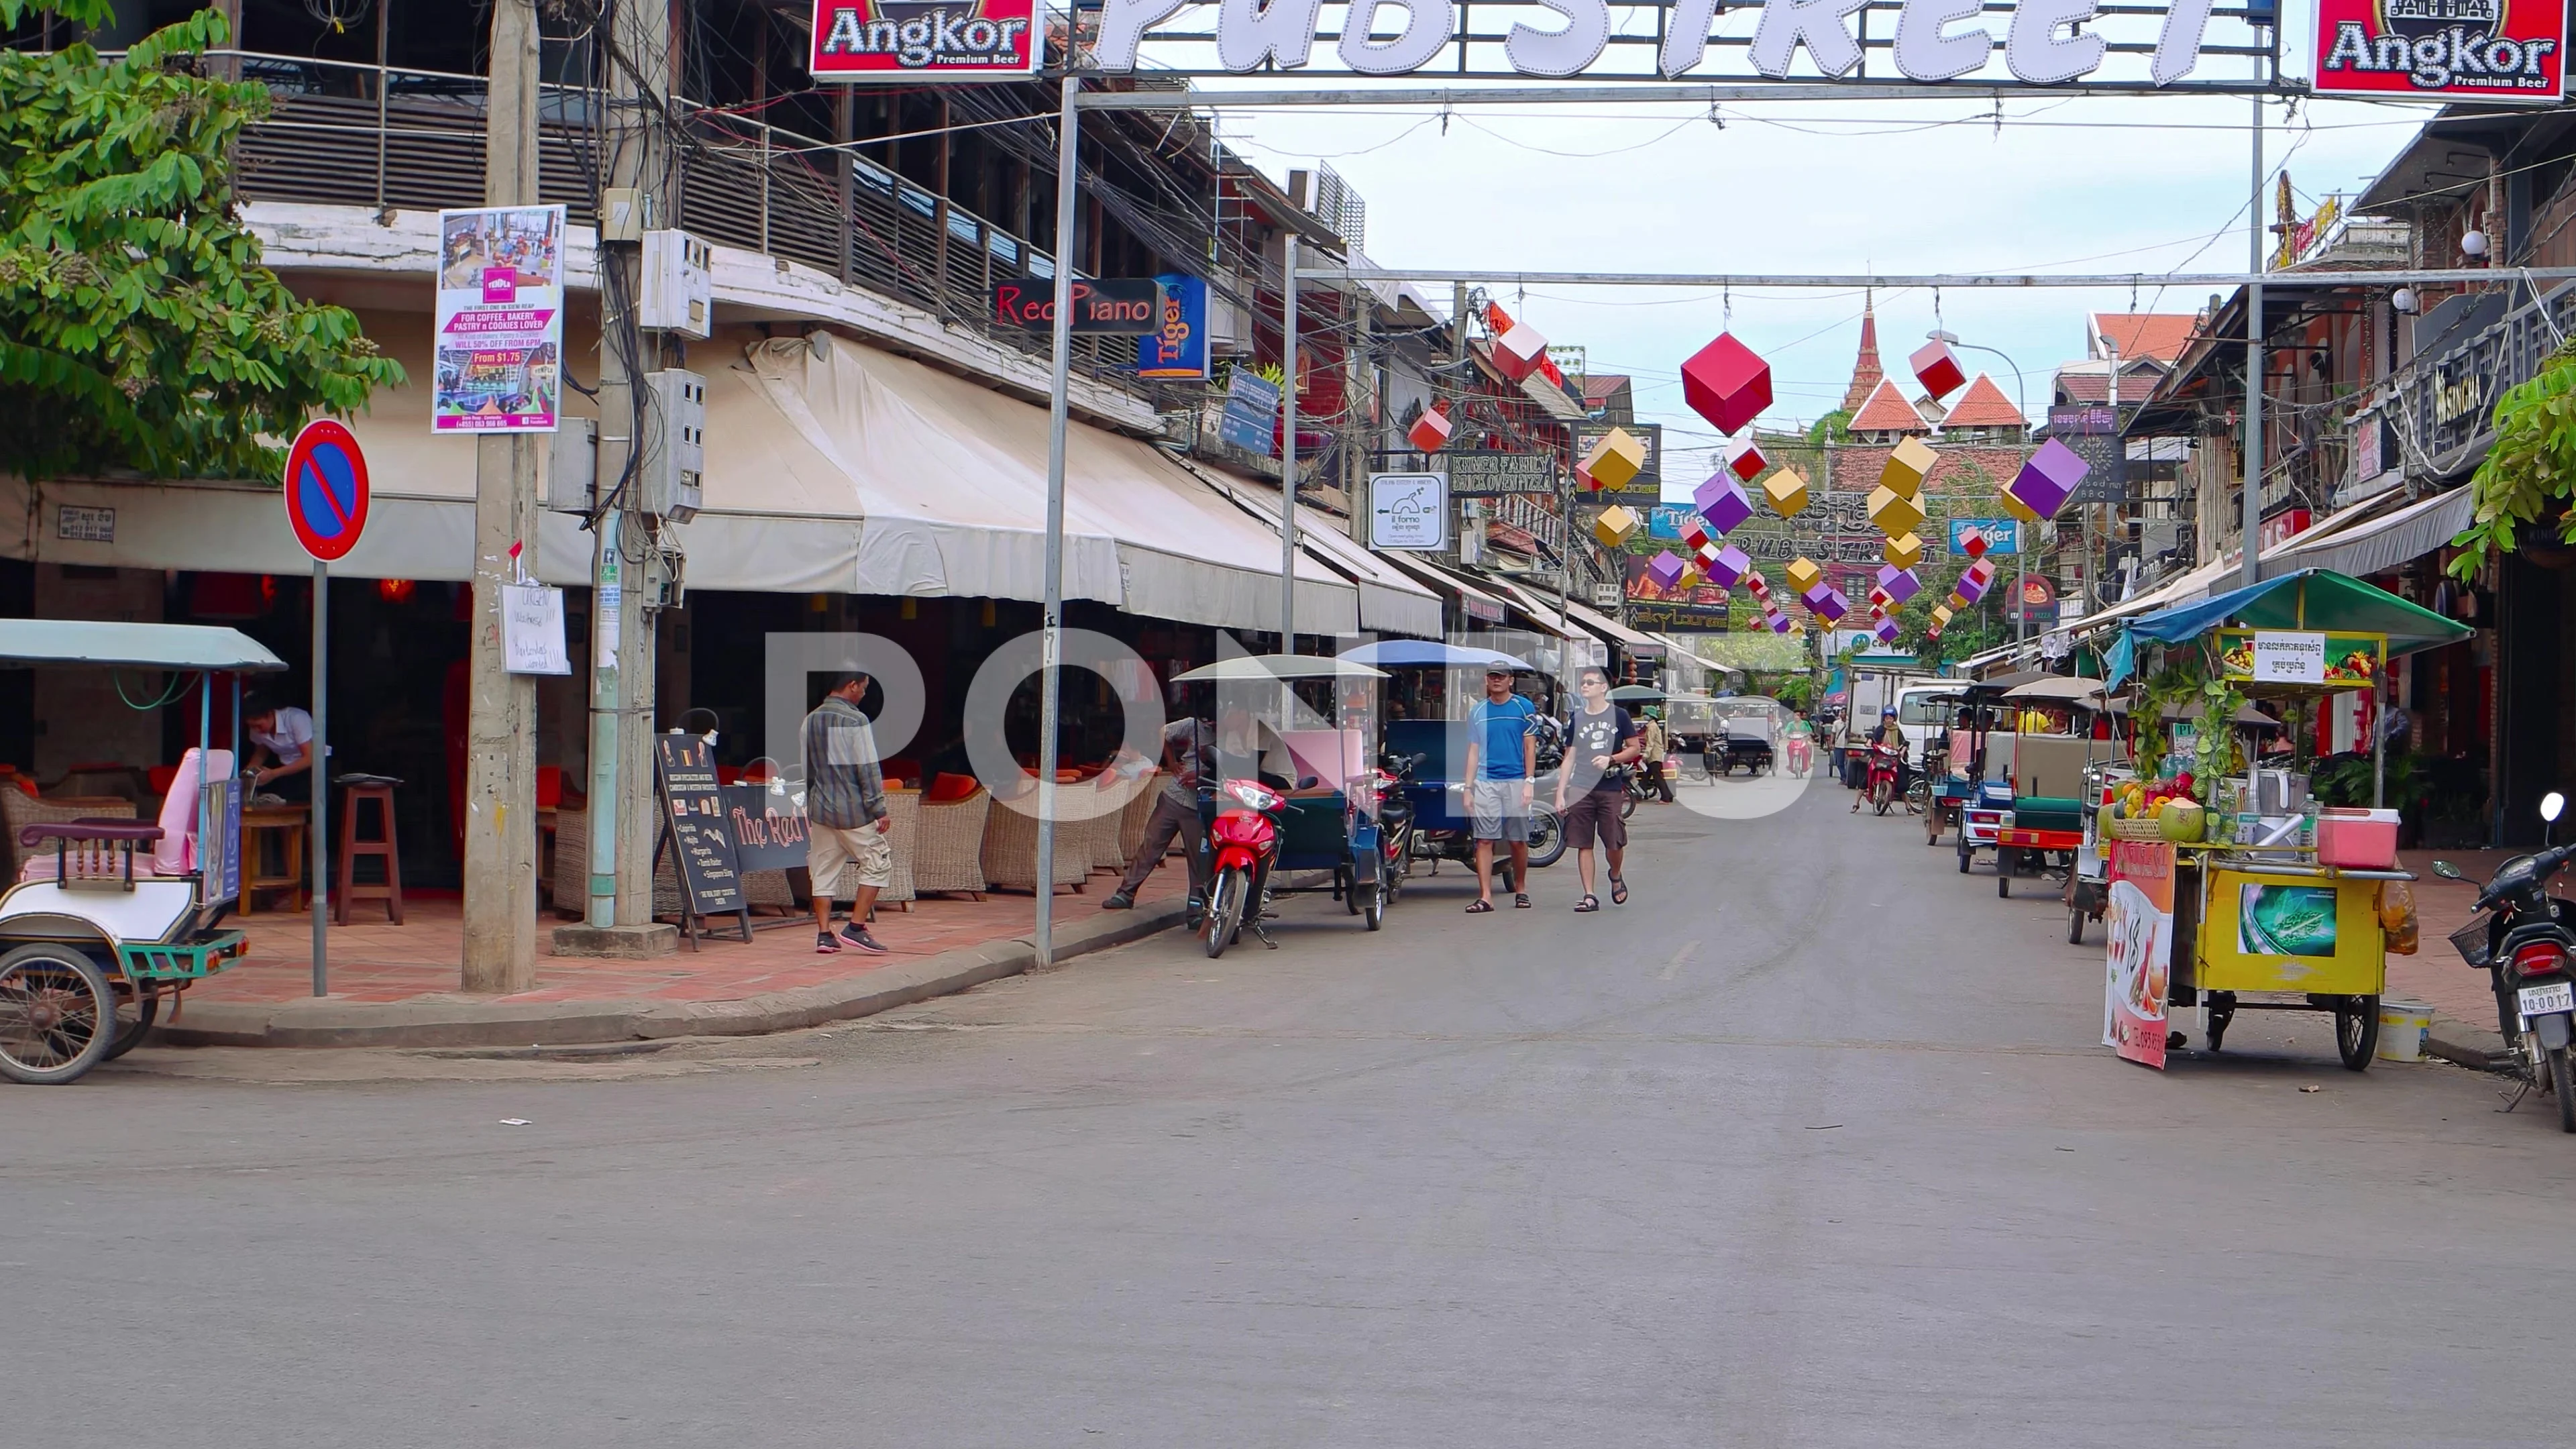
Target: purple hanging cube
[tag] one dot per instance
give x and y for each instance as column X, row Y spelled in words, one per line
column 1899, row 584
column 1832, row 606
column 1729, row 568
column 1886, row 631
column 1970, row 587
column 2050, row 478
column 1665, row 569
column 1722, row 501
column 1780, row 624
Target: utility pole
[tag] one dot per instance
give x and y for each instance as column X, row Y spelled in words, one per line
column 1359, row 420
column 500, row 939
column 1288, row 449
column 2253, row 502
column 621, row 812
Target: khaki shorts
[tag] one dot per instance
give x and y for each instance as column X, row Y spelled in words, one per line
column 865, row 847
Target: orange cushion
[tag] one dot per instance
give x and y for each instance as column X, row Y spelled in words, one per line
column 950, row 787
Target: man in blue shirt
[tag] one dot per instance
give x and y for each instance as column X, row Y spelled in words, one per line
column 1502, row 769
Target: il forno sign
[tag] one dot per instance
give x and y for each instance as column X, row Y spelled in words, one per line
column 866, row 40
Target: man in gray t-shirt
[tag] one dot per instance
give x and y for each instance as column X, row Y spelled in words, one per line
column 1187, row 744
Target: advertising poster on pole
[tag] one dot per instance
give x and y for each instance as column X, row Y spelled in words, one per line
column 2442, row 50
column 2139, row 975
column 499, row 367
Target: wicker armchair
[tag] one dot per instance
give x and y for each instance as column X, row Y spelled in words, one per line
column 948, row 850
column 18, row 810
column 1011, row 853
column 1132, row 821
column 1096, row 838
column 569, row 874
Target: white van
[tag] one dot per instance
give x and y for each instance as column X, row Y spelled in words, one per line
column 1923, row 711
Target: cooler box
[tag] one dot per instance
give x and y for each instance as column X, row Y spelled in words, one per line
column 2357, row 839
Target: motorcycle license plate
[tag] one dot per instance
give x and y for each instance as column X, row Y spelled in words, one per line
column 2542, row 1000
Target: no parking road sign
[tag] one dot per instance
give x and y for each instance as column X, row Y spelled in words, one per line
column 326, row 490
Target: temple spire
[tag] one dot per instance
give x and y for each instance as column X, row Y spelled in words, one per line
column 1866, row 370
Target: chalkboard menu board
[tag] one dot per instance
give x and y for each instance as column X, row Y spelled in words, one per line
column 768, row 827
column 698, row 830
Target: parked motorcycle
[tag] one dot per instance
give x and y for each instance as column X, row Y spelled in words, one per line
column 2525, row 939
column 1395, row 820
column 1885, row 763
column 1244, row 838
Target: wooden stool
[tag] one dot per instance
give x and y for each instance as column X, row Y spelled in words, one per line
column 381, row 848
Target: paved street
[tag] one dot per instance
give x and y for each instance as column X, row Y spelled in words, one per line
column 1810, row 1144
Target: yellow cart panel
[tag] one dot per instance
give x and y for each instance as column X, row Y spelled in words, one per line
column 2266, row 931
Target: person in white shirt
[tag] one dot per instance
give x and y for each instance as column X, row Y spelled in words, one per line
column 281, row 753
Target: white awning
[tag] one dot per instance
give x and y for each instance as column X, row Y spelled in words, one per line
column 1391, row 600
column 2379, row 544
column 1644, row 646
column 1477, row 605
column 2228, row 570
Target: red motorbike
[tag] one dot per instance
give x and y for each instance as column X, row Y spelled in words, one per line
column 1801, row 755
column 1244, row 838
column 1885, row 763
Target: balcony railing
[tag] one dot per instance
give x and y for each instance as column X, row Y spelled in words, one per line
column 388, row 137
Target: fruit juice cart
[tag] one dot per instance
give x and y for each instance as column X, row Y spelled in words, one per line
column 2256, row 904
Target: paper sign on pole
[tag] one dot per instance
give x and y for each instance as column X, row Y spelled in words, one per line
column 499, row 363
column 532, row 630
column 1409, row 511
column 2284, row 657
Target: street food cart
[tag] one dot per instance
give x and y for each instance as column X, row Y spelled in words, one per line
column 2239, row 893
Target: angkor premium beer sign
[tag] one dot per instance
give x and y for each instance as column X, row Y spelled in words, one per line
column 865, row 40
column 2487, row 50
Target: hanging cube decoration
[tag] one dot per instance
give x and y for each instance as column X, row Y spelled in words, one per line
column 1904, row 551
column 1971, row 588
column 1691, row 575
column 1983, row 571
column 1744, row 458
column 1937, row 369
column 1892, row 512
column 1803, row 574
column 1518, row 352
column 1878, row 599
column 1942, row 614
column 1955, row 602
column 1827, row 603
column 1707, row 555
column 1760, row 586
column 1908, row 464
column 2016, row 507
column 1886, row 631
column 1787, row 492
column 1780, row 624
column 1729, row 568
column 1615, row 460
column 1616, row 526
column 1695, row 535
column 2050, row 478
column 1727, row 384
column 1974, row 543
column 1431, row 430
column 1900, row 585
column 1583, row 479
column 1721, row 501
column 1665, row 569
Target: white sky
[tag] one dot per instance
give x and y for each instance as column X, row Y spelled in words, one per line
column 2113, row 185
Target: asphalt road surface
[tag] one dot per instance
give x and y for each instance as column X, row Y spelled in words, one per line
column 1809, row 1144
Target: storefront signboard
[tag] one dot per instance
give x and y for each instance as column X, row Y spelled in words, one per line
column 2002, row 535
column 696, row 830
column 1251, row 417
column 2442, row 50
column 1177, row 348
column 912, row 41
column 2139, row 926
column 1409, row 511
column 1102, row 306
column 499, row 362
column 1698, row 609
column 768, row 827
column 1492, row 472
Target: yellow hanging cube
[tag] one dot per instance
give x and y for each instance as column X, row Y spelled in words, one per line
column 1787, row 491
column 1903, row 551
column 1941, row 616
column 1691, row 577
column 2016, row 507
column 1615, row 461
column 1616, row 526
column 1804, row 575
column 1892, row 512
column 1907, row 467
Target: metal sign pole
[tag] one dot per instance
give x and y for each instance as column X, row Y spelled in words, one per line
column 1059, row 409
column 2253, row 565
column 320, row 774
column 1288, row 454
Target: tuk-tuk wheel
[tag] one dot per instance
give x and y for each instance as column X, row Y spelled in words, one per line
column 135, row 1013
column 57, row 1014
column 1967, row 852
column 2357, row 1031
column 2074, row 925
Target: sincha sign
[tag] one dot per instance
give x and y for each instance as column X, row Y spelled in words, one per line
column 2045, row 42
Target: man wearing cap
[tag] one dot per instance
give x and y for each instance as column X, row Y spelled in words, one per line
column 1502, row 770
column 1887, row 734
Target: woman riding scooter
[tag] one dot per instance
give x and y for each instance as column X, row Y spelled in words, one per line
column 1889, row 735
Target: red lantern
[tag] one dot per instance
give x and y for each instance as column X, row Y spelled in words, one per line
column 1727, row 384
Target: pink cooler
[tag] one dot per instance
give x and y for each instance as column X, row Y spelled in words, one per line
column 2357, row 839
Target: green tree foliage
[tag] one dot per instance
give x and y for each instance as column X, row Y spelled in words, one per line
column 138, row 329
column 2530, row 470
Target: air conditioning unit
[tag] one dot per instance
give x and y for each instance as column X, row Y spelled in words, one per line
column 678, row 289
column 572, row 466
column 1229, row 327
column 675, row 443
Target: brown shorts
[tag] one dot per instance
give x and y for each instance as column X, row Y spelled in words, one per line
column 1596, row 814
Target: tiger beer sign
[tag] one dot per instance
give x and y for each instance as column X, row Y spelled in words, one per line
column 911, row 40
column 2464, row 50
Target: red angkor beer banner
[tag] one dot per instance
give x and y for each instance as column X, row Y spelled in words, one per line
column 2486, row 50
column 861, row 40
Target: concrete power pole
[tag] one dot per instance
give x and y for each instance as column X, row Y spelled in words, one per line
column 622, row 812
column 501, row 743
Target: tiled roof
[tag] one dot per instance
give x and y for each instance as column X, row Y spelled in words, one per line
column 1600, row 387
column 2093, row 384
column 1983, row 405
column 1887, row 411
column 1866, row 371
column 2159, row 335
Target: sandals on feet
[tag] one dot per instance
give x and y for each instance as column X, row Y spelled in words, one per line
column 1520, row 903
column 1478, row 908
column 1618, row 891
column 1588, row 903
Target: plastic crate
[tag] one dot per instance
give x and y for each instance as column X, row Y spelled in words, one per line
column 2357, row 839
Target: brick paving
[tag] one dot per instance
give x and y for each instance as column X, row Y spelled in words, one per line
column 372, row 960
column 2435, row 974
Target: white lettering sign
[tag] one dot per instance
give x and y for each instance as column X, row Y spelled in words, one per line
column 1409, row 511
column 2282, row 657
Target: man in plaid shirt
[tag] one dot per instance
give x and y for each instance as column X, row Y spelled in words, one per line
column 845, row 815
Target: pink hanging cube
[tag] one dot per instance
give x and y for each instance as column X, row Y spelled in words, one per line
column 1729, row 567
column 1973, row 542
column 1722, row 501
column 1983, row 571
column 1695, row 535
column 1665, row 569
column 1518, row 352
column 1744, row 459
column 1727, row 384
column 2050, row 478
column 1900, row 585
column 1878, row 599
column 1431, row 430
column 1970, row 589
column 1760, row 586
column 1937, row 369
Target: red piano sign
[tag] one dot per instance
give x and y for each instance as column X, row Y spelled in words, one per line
column 864, row 40
column 2488, row 50
column 1132, row 306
